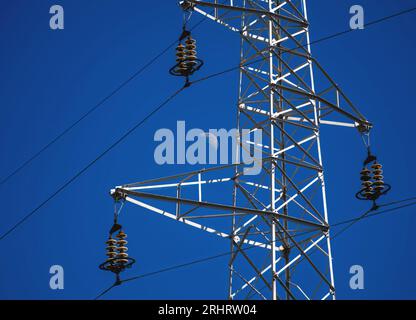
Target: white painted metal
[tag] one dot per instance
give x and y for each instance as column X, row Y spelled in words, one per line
column 320, row 174
column 281, row 213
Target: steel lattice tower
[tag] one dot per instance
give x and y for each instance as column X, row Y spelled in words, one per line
column 276, row 221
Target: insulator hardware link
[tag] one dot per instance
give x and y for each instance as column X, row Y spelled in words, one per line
column 187, row 6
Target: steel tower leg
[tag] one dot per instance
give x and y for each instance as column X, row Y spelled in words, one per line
column 276, row 131
column 318, row 142
column 272, row 171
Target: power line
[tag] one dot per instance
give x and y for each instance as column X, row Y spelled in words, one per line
column 368, row 214
column 53, row 195
column 400, row 13
column 162, row 271
column 354, row 221
column 93, row 108
column 311, row 43
column 143, row 68
column 89, row 165
column 179, row 266
column 397, row 202
column 106, row 290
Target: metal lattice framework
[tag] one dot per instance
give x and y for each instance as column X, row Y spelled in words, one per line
column 276, row 221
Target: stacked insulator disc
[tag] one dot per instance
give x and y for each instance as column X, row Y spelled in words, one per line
column 378, row 182
column 190, row 46
column 122, row 255
column 366, row 182
column 111, row 248
column 180, row 58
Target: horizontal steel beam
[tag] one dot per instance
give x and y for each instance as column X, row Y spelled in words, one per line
column 329, row 104
column 249, row 10
column 216, row 206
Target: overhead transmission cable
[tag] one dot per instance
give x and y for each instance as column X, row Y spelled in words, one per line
column 370, row 213
column 70, row 181
column 93, row 108
column 351, row 221
column 366, row 215
column 143, row 68
column 90, row 164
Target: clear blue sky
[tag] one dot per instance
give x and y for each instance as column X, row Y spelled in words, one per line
column 49, row 78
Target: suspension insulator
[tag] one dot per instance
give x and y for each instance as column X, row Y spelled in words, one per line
column 372, row 182
column 118, row 259
column 187, row 61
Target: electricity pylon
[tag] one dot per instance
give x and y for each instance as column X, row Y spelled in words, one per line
column 277, row 221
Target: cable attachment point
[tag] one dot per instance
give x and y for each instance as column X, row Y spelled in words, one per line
column 118, row 281
column 187, row 83
column 375, row 206
column 370, row 157
column 187, row 5
column 117, row 195
column 184, row 35
column 364, row 128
